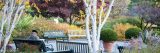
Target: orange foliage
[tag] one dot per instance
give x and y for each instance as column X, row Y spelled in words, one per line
column 121, row 28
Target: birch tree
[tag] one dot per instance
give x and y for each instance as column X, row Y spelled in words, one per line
column 93, row 33
column 11, row 13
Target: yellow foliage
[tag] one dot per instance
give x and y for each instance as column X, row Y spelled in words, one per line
column 26, row 3
column 19, row 1
column 121, row 28
column 27, row 6
column 47, row 25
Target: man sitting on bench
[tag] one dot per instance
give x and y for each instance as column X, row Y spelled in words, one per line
column 20, row 44
column 34, row 35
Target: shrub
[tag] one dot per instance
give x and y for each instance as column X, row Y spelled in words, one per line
column 25, row 22
column 132, row 32
column 59, row 19
column 78, row 24
column 120, row 30
column 132, row 21
column 24, row 26
column 158, row 32
column 135, row 22
column 108, row 35
column 109, row 24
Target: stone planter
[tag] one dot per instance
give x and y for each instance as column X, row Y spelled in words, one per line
column 108, row 46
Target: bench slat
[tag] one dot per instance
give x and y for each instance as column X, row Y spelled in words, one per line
column 55, row 35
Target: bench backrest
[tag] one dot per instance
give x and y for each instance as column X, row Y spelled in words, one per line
column 76, row 32
column 39, row 43
column 67, row 51
column 54, row 34
column 77, row 47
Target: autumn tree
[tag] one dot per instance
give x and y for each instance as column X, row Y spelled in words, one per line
column 66, row 9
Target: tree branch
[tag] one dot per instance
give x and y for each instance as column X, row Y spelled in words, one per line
column 88, row 9
column 100, row 20
column 106, row 17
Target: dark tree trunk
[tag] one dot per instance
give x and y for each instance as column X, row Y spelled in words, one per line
column 142, row 23
column 145, row 26
column 70, row 19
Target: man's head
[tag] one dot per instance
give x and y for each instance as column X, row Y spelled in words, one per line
column 34, row 32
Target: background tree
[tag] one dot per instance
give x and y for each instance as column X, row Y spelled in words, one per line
column 120, row 8
column 11, row 13
column 146, row 10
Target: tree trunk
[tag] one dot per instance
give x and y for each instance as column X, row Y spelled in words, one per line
column 70, row 19
column 93, row 34
column 142, row 23
column 145, row 26
column 87, row 28
column 6, row 42
column 0, row 41
column 10, row 19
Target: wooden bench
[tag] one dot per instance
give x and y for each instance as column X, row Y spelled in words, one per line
column 76, row 33
column 55, row 35
column 77, row 47
column 38, row 43
column 65, row 51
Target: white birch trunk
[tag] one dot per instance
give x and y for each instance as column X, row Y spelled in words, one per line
column 93, row 34
column 10, row 19
column 88, row 8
